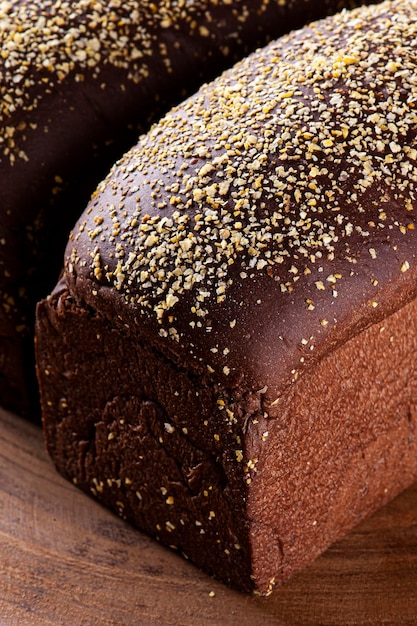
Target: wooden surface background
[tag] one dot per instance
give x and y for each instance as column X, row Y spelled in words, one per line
column 65, row 560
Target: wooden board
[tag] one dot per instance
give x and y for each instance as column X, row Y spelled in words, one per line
column 65, row 560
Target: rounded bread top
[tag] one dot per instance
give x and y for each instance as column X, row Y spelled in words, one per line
column 271, row 216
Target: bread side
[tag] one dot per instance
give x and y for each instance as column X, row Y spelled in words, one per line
column 249, row 495
column 249, row 268
column 79, row 81
column 145, row 437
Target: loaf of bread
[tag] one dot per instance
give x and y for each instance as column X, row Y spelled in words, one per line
column 229, row 361
column 78, row 80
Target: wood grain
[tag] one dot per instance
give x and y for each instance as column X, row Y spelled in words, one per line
column 65, row 560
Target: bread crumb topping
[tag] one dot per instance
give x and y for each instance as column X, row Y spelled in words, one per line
column 277, row 161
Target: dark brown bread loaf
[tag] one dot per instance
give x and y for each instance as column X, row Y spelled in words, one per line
column 229, row 361
column 78, row 80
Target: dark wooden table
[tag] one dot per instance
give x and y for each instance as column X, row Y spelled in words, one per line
column 65, row 560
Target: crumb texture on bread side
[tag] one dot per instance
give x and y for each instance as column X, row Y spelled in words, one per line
column 149, row 439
